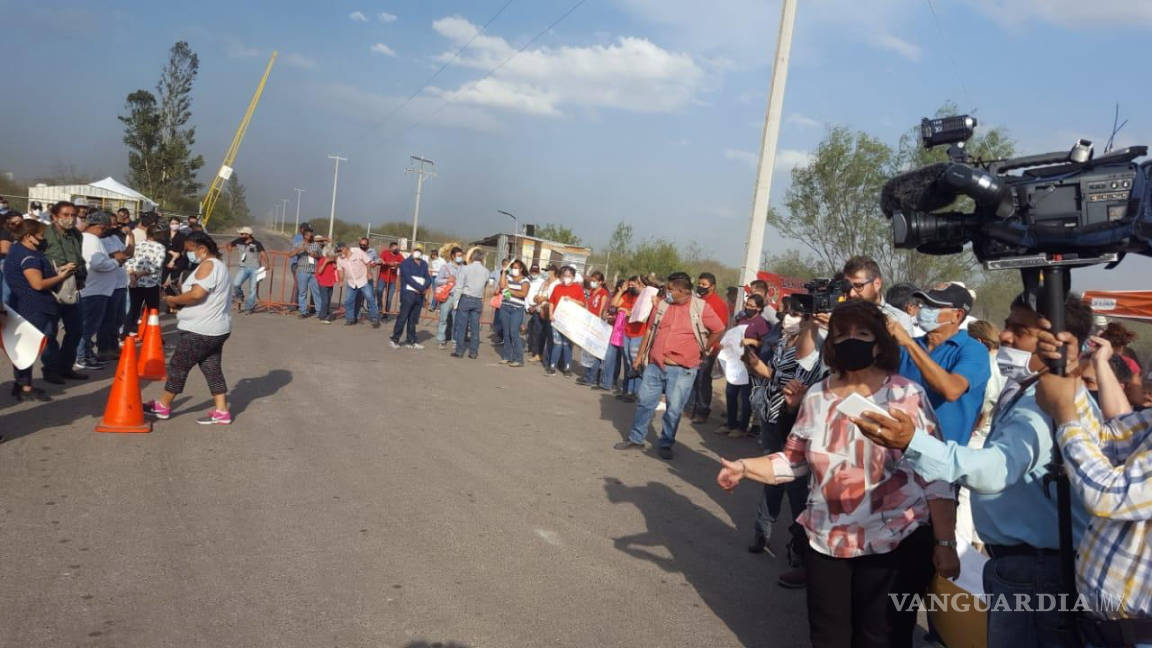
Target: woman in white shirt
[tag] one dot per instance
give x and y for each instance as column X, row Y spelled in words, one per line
column 205, row 323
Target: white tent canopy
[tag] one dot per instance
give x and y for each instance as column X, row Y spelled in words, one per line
column 108, row 193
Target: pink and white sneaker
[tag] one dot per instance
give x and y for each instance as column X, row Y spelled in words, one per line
column 157, row 409
column 216, row 417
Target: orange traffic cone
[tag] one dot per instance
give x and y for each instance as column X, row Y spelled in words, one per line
column 124, row 412
column 151, row 364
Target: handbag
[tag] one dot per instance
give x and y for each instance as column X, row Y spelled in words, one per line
column 496, row 301
column 617, row 338
column 66, row 291
column 445, row 291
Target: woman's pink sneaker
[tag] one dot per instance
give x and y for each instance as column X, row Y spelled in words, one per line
column 216, row 417
column 157, row 409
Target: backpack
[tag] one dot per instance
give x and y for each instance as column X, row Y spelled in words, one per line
column 696, row 315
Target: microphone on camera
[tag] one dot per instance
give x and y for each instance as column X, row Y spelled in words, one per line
column 919, row 190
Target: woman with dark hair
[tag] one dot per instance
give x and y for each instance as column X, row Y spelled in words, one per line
column 513, row 288
column 561, row 346
column 31, row 278
column 204, row 322
column 145, row 270
column 870, row 520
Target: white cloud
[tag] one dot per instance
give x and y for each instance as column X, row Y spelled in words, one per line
column 910, row 51
column 386, row 17
column 630, row 74
column 381, row 48
column 239, row 50
column 357, row 16
column 786, row 159
column 298, row 60
column 374, row 109
column 804, row 120
column 1067, row 13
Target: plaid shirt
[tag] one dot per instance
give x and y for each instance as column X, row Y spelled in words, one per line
column 1111, row 470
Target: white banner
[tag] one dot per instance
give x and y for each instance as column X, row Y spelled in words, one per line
column 582, row 327
column 22, row 341
column 731, row 356
column 643, row 307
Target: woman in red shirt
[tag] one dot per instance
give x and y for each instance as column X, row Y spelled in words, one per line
column 598, row 301
column 562, row 346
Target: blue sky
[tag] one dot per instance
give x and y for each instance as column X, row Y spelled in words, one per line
column 644, row 111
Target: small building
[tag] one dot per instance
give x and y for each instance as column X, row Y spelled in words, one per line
column 106, row 195
column 533, row 250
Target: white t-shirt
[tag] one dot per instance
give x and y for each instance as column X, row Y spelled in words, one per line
column 102, row 269
column 211, row 316
column 112, row 245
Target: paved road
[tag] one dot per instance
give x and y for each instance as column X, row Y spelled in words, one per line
column 372, row 497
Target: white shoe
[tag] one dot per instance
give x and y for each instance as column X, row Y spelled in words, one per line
column 393, row 344
column 416, row 345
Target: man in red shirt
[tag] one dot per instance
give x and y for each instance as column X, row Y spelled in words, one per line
column 701, row 399
column 390, row 260
column 681, row 331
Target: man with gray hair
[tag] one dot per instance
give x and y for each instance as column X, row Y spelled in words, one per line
column 472, row 279
column 103, row 273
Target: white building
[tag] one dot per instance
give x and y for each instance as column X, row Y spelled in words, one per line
column 106, row 195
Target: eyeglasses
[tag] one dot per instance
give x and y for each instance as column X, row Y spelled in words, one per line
column 859, row 285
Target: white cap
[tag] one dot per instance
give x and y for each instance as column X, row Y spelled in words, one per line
column 245, row 230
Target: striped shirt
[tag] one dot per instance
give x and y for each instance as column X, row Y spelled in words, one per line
column 515, row 284
column 1112, row 475
column 785, row 369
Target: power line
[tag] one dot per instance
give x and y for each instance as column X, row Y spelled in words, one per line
column 448, row 62
column 444, row 102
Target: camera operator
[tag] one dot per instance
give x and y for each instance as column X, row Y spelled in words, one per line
column 951, row 366
column 1013, row 514
column 865, row 282
column 1111, row 473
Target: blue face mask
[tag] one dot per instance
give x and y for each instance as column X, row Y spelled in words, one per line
column 927, row 317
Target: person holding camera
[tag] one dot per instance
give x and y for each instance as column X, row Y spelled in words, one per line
column 1111, row 474
column 951, row 366
column 31, row 279
column 682, row 331
column 1014, row 516
column 870, row 522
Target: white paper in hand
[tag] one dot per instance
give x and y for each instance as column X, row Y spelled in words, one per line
column 855, row 405
column 22, row 341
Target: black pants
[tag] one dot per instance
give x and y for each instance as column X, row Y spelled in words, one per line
column 535, row 328
column 736, row 399
column 138, row 297
column 848, row 602
column 701, row 401
column 410, row 303
column 194, row 349
column 59, row 356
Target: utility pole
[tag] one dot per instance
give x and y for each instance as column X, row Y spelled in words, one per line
column 283, row 214
column 335, row 179
column 515, row 231
column 768, row 142
column 419, row 172
column 298, row 192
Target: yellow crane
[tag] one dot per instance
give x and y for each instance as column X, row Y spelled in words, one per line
column 225, row 171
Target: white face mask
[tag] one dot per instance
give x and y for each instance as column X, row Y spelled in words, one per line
column 593, row 284
column 1013, row 363
column 416, row 254
column 515, row 272
column 791, row 325
column 567, row 281
column 191, row 256
column 927, row 318
column 174, row 226
column 460, row 259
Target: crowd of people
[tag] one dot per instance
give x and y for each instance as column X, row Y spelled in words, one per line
column 85, row 278
column 898, row 427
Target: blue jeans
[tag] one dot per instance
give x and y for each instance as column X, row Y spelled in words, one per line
column 351, row 295
column 675, row 383
column 384, row 292
column 513, row 317
column 410, row 305
column 108, row 336
column 631, row 350
column 1028, row 576
column 324, row 304
column 498, row 324
column 246, row 275
column 306, row 285
column 739, row 406
column 606, row 368
column 92, row 310
column 59, row 356
column 468, row 319
column 561, row 351
column 442, row 325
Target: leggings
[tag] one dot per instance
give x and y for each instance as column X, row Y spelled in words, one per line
column 194, row 349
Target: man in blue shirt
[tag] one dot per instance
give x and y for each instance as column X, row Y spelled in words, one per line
column 1011, row 508
column 952, row 367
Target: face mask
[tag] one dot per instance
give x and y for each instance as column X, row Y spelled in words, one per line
column 66, row 223
column 854, row 354
column 927, row 317
column 1013, row 363
column 42, row 245
column 791, row 324
column 701, row 290
column 567, row 281
column 460, row 259
column 363, row 247
column 416, row 255
column 668, row 298
column 515, row 272
column 191, row 256
column 633, row 291
column 593, row 284
column 173, row 227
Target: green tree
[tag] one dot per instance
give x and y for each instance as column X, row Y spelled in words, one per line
column 178, row 166
column 558, row 233
column 142, row 137
column 232, row 208
column 794, row 263
column 621, row 240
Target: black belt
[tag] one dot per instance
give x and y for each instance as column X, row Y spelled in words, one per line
column 1115, row 633
column 1003, row 551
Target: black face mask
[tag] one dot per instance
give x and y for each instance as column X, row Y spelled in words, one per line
column 702, row 291
column 363, row 247
column 634, row 291
column 855, row 355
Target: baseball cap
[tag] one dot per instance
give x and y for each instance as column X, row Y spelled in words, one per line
column 948, row 296
column 245, row 230
column 99, row 218
column 80, row 202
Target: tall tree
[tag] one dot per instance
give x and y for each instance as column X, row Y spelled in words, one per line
column 237, row 195
column 558, row 233
column 142, row 136
column 177, row 138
